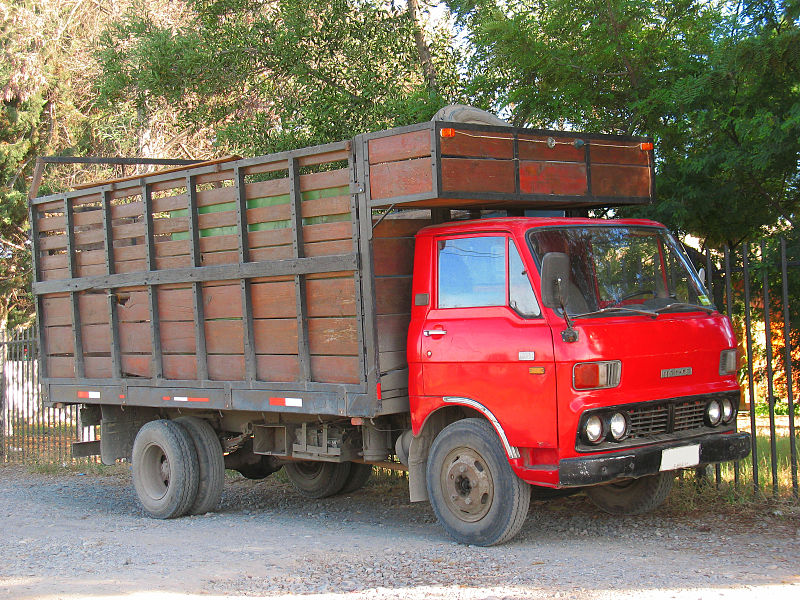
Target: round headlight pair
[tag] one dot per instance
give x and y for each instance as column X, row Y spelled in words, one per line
column 728, row 412
column 595, row 427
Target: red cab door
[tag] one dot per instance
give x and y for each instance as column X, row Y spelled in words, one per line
column 484, row 338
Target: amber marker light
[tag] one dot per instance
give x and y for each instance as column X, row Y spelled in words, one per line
column 646, row 145
column 447, row 132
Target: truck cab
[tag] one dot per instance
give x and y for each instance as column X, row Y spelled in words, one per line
column 591, row 347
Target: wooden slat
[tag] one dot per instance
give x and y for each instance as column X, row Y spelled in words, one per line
column 610, row 180
column 392, row 332
column 393, row 256
column 407, row 177
column 170, row 203
column 482, row 176
column 47, row 224
column 534, row 147
column 399, row 227
column 53, row 242
column 478, row 144
column 214, row 196
column 393, row 295
column 414, row 144
column 324, row 180
column 552, row 178
column 336, row 205
column 611, row 152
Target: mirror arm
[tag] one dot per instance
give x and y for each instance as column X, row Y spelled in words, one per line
column 570, row 334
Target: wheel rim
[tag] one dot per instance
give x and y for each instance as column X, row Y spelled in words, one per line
column 467, row 484
column 156, row 472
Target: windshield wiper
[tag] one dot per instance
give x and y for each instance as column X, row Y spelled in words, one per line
column 706, row 309
column 608, row 309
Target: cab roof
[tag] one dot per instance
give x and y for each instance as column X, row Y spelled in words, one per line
column 519, row 225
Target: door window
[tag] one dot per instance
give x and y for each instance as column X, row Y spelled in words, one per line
column 473, row 272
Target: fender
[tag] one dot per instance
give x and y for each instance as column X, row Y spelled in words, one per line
column 511, row 451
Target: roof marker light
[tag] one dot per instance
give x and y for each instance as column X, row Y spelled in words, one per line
column 646, row 145
column 447, row 132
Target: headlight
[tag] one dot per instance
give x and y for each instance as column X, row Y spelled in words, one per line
column 593, row 429
column 727, row 411
column 618, row 426
column 713, row 413
column 727, row 362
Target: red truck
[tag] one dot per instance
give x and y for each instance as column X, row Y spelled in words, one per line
column 330, row 309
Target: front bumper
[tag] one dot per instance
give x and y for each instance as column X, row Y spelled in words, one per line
column 638, row 462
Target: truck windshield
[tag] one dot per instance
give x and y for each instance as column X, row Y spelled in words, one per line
column 622, row 267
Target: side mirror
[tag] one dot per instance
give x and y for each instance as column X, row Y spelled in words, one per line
column 555, row 275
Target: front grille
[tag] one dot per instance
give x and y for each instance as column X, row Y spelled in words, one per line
column 689, row 415
column 659, row 421
column 649, row 420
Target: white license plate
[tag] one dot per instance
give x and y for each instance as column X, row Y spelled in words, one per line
column 677, row 458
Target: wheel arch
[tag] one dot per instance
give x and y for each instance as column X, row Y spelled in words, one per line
column 453, row 409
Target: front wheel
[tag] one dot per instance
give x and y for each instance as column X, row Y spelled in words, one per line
column 632, row 496
column 473, row 490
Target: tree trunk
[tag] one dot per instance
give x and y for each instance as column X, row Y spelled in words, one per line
column 422, row 46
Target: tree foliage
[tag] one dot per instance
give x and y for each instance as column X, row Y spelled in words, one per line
column 716, row 84
column 272, row 75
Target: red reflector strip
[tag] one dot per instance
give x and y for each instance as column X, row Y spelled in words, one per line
column 189, row 399
column 298, row 402
column 92, row 395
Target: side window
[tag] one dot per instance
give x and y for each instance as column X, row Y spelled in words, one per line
column 520, row 293
column 472, row 272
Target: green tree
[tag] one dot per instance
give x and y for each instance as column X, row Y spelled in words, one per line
column 282, row 74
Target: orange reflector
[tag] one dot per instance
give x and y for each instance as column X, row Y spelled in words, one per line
column 646, row 145
column 356, row 421
column 447, row 132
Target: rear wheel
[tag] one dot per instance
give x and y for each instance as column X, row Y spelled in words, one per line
column 473, row 490
column 357, row 478
column 316, row 479
column 211, row 464
column 165, row 469
column 632, row 496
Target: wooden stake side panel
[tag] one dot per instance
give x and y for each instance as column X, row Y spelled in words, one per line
column 393, row 263
column 271, row 328
column 470, row 166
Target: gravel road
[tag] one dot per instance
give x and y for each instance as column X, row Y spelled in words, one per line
column 78, row 535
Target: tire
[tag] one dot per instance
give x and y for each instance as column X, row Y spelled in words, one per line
column 461, row 113
column 357, row 478
column 165, row 469
column 474, row 492
column 317, row 479
column 632, row 496
column 210, row 461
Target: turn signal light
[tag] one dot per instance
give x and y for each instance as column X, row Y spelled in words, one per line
column 646, row 145
column 596, row 375
column 447, row 132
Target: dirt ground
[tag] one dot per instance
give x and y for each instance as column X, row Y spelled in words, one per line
column 82, row 535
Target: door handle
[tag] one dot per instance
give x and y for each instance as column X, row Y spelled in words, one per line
column 430, row 332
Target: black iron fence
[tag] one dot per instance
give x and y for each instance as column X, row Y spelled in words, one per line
column 757, row 285
column 29, row 432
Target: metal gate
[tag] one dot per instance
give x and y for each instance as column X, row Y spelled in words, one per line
column 29, row 432
column 752, row 285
